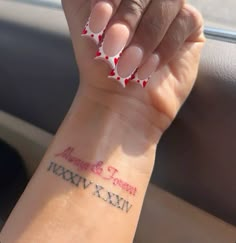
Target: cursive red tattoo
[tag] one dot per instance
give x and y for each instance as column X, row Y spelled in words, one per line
column 108, row 173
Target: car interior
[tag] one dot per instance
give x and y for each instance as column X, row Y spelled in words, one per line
column 192, row 194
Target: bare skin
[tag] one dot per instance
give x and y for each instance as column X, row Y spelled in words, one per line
column 91, row 183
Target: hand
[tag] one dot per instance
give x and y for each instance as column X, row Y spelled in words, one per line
column 162, row 39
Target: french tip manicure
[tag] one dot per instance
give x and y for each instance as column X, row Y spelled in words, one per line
column 123, row 81
column 112, row 61
column 143, row 83
column 123, row 84
column 104, row 60
column 97, row 22
column 100, row 16
column 96, row 37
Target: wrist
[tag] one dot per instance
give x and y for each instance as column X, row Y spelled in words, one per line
column 114, row 189
column 130, row 107
column 108, row 123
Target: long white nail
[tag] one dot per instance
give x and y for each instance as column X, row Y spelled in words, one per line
column 144, row 73
column 115, row 40
column 98, row 21
column 114, row 75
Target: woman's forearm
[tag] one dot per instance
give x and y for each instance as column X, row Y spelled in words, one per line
column 91, row 183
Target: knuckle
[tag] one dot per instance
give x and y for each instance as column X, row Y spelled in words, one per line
column 175, row 39
column 169, row 46
column 135, row 7
column 151, row 26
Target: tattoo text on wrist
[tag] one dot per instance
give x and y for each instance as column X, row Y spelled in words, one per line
column 81, row 182
column 108, row 173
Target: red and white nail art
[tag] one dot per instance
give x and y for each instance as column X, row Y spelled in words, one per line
column 142, row 82
column 147, row 69
column 114, row 75
column 112, row 61
column 97, row 37
column 124, row 81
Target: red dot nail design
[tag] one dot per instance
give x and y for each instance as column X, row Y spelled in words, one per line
column 84, row 31
column 124, row 81
column 100, row 38
column 114, row 75
column 112, row 61
column 142, row 82
column 98, row 54
column 96, row 37
column 116, row 60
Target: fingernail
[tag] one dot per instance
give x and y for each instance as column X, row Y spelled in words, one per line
column 114, row 75
column 144, row 73
column 128, row 63
column 115, row 40
column 98, row 21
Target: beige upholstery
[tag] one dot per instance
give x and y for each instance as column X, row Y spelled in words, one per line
column 196, row 159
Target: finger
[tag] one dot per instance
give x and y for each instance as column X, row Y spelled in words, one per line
column 187, row 24
column 120, row 31
column 150, row 32
column 102, row 11
column 126, row 11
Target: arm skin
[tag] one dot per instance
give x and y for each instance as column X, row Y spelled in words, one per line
column 88, row 207
column 91, row 183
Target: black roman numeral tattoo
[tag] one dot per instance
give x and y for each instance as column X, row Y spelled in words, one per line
column 112, row 198
column 69, row 176
column 81, row 182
